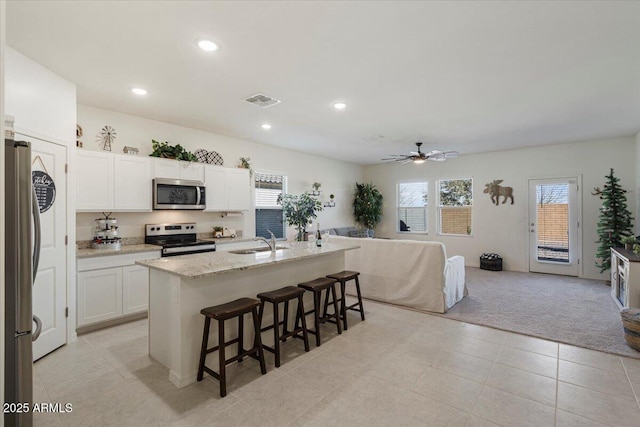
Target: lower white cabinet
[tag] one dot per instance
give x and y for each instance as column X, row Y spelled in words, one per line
column 99, row 295
column 135, row 289
column 110, row 287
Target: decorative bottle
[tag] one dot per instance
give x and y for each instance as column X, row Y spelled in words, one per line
column 318, row 237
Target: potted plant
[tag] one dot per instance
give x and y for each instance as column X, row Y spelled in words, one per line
column 299, row 210
column 367, row 206
column 167, row 151
column 217, row 231
column 628, row 242
column 316, row 188
column 245, row 163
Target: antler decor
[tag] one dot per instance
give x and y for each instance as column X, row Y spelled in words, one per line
column 596, row 191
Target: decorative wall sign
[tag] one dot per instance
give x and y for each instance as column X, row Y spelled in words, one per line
column 44, row 187
column 496, row 190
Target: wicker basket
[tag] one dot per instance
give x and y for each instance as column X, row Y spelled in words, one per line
column 491, row 262
column 631, row 324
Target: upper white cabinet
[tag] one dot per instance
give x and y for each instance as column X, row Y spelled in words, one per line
column 167, row 168
column 112, row 182
column 228, row 189
column 123, row 183
column 132, row 183
column 94, row 181
column 239, row 189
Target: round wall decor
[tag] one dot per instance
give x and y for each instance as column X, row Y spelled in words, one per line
column 214, row 158
column 45, row 189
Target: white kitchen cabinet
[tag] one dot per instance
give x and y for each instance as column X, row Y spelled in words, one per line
column 217, row 197
column 111, row 287
column 99, row 295
column 239, row 189
column 175, row 169
column 192, row 171
column 135, row 289
column 112, row 182
column 132, row 178
column 95, row 189
column 228, row 189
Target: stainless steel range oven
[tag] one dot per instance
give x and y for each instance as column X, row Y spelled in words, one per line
column 177, row 239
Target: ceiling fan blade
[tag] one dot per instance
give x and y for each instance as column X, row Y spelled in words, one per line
column 451, row 154
column 394, row 158
column 433, row 153
column 437, row 158
column 406, row 161
column 415, row 153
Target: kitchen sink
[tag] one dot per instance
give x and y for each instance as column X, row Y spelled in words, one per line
column 255, row 250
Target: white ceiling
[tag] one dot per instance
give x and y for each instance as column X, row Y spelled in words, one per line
column 466, row 76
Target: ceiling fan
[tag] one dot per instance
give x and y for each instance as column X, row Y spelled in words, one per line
column 420, row 157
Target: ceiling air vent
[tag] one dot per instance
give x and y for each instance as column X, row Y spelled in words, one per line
column 262, row 101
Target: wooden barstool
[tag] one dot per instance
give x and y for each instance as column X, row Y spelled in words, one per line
column 276, row 297
column 317, row 286
column 222, row 312
column 343, row 277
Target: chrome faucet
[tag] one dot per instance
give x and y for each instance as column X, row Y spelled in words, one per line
column 271, row 242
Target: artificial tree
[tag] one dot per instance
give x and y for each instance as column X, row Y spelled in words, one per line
column 615, row 221
column 367, row 205
column 299, row 210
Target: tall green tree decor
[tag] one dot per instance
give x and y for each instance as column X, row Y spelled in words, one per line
column 615, row 221
column 367, row 205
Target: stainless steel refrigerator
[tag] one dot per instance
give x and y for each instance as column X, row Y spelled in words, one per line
column 22, row 249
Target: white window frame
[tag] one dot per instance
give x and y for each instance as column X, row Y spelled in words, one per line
column 398, row 207
column 439, row 207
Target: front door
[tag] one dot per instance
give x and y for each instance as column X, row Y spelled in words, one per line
column 553, row 225
column 50, row 287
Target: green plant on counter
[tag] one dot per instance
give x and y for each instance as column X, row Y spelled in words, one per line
column 628, row 240
column 636, row 249
column 299, row 210
column 167, row 151
column 218, row 229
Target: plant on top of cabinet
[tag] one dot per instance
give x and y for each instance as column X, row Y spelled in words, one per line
column 244, row 163
column 167, row 151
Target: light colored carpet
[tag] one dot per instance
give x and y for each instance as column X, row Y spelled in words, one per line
column 569, row 310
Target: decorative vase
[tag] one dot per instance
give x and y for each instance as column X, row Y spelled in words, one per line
column 628, row 246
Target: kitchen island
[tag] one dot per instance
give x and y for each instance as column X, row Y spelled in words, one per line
column 179, row 287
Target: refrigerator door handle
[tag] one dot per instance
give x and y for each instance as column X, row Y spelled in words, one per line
column 35, row 208
column 36, row 333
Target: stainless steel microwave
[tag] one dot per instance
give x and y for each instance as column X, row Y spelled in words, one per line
column 178, row 194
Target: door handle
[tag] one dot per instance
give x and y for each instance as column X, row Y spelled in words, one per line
column 36, row 333
column 35, row 209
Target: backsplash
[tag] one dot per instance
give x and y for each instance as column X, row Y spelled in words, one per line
column 131, row 224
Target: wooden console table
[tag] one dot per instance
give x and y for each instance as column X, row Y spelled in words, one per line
column 625, row 278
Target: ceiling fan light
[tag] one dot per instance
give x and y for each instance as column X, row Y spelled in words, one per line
column 418, row 161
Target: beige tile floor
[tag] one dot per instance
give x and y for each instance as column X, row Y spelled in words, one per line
column 399, row 368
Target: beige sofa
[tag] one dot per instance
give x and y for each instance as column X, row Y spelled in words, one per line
column 409, row 273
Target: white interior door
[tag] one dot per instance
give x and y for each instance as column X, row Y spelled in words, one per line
column 554, row 225
column 50, row 287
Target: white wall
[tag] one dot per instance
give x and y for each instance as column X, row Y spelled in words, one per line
column 302, row 169
column 503, row 229
column 637, row 213
column 3, row 8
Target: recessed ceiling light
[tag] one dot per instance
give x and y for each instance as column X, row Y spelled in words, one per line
column 339, row 105
column 139, row 91
column 266, row 126
column 207, row 45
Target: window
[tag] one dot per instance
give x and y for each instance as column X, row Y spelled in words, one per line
column 455, row 203
column 412, row 207
column 268, row 211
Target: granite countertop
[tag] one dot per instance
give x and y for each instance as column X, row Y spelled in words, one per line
column 125, row 249
column 195, row 266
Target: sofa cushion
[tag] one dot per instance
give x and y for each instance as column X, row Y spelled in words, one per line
column 359, row 233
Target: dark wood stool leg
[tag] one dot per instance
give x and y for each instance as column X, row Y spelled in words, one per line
column 285, row 327
column 335, row 307
column 326, row 305
column 300, row 314
column 222, row 360
column 343, row 305
column 257, row 325
column 276, row 333
column 359, row 298
column 203, row 350
column 240, row 336
column 316, row 315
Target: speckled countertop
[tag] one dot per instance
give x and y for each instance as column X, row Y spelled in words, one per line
column 125, row 249
column 206, row 264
